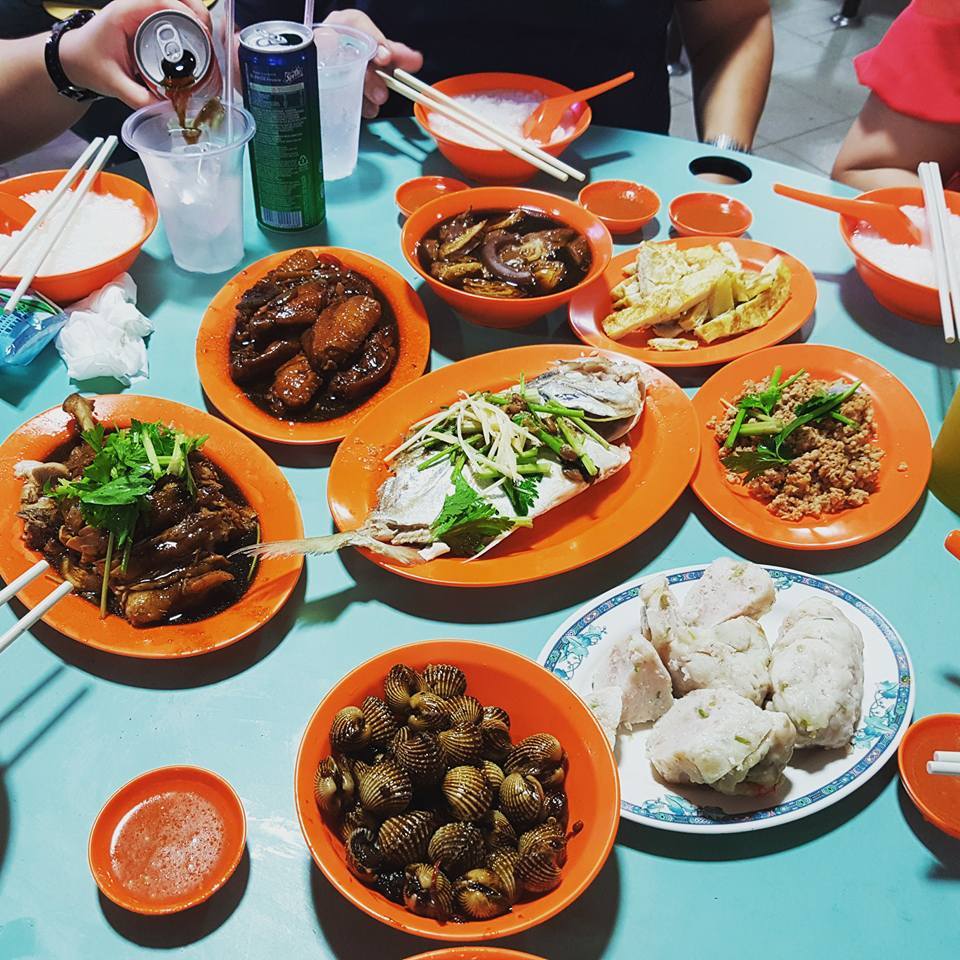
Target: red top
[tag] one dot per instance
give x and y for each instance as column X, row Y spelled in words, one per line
column 914, row 69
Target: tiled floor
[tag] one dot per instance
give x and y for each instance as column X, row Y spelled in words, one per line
column 814, row 94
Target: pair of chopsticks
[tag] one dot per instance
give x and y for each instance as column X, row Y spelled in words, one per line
column 945, row 762
column 103, row 150
column 416, row 90
column 31, row 616
column 945, row 267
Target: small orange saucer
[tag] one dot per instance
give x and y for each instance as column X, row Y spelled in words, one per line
column 937, row 797
column 623, row 206
column 709, row 214
column 413, row 194
column 138, row 839
column 474, row 953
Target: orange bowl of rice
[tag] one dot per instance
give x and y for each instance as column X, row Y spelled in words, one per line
column 103, row 237
column 899, row 276
column 505, row 100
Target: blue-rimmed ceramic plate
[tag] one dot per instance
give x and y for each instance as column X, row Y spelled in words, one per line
column 815, row 778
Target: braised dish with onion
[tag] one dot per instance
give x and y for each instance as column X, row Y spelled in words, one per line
column 505, row 254
column 312, row 339
column 138, row 520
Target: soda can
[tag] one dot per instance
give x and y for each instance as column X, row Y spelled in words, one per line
column 278, row 70
column 169, row 39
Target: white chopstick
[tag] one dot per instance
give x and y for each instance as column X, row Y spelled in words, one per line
column 944, row 256
column 939, row 767
column 58, row 191
column 947, row 756
column 419, row 92
column 31, row 616
column 28, row 576
column 100, row 161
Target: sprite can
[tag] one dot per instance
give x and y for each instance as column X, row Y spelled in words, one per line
column 278, row 69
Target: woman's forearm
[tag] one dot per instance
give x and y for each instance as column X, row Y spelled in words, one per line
column 31, row 110
column 730, row 45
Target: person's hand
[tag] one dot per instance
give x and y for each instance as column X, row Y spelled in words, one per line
column 99, row 55
column 389, row 54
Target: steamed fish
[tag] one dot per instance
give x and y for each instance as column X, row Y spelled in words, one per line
column 720, row 739
column 466, row 477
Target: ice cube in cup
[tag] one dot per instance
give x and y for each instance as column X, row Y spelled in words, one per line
column 198, row 187
column 342, row 57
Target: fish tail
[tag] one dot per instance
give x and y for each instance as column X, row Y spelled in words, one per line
column 317, row 546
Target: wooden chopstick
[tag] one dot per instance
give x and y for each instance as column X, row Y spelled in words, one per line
column 944, row 256
column 32, row 616
column 58, row 191
column 434, row 94
column 100, row 161
column 413, row 89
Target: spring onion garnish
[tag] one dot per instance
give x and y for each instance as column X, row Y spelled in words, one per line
column 113, row 488
column 754, row 419
column 742, row 740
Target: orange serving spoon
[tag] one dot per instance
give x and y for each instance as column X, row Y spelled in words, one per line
column 887, row 218
column 544, row 120
column 14, row 213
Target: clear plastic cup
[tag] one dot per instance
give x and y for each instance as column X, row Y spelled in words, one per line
column 198, row 187
column 342, row 57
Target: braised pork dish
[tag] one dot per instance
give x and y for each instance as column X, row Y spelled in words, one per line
column 505, row 253
column 138, row 520
column 312, row 339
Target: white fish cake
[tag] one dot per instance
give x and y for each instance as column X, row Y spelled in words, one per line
column 633, row 666
column 733, row 655
column 606, row 704
column 721, row 740
column 817, row 674
column 729, row 589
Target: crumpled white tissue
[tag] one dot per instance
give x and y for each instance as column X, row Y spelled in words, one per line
column 103, row 335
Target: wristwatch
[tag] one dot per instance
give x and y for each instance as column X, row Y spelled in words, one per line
column 51, row 56
column 725, row 142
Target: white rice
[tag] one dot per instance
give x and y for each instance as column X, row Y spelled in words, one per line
column 505, row 109
column 103, row 227
column 909, row 262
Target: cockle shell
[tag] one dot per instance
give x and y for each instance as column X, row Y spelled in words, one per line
column 521, row 799
column 479, row 894
column 535, row 755
column 420, row 755
column 555, row 805
column 465, row 709
column 401, row 683
column 363, row 857
column 467, row 793
column 428, row 712
column 427, row 891
column 349, row 732
column 385, row 789
column 493, row 774
column 504, row 864
column 381, row 721
column 445, row 680
column 538, row 871
column 460, row 744
column 333, row 786
column 497, row 830
column 547, row 836
column 404, row 838
column 457, row 847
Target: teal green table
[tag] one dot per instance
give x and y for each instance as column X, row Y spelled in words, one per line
column 865, row 878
